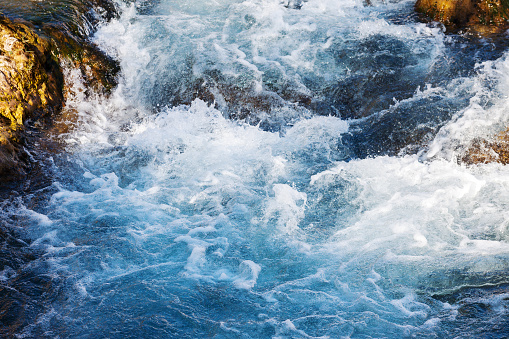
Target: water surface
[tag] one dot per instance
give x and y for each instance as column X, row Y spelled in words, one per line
column 269, row 169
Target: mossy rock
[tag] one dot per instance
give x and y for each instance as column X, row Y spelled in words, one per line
column 67, row 24
column 480, row 16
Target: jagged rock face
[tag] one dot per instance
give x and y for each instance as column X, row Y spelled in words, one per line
column 30, row 88
column 482, row 16
column 30, row 79
column 66, row 24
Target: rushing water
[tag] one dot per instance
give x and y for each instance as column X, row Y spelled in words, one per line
column 270, row 169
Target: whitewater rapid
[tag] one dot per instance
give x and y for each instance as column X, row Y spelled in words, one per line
column 275, row 170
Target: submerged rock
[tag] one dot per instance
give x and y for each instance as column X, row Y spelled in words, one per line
column 482, row 16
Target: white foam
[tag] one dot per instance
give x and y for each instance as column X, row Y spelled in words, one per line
column 272, row 214
column 248, row 274
column 483, row 118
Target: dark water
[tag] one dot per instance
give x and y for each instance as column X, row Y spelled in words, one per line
column 266, row 170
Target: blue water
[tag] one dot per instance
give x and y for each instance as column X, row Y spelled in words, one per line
column 270, row 169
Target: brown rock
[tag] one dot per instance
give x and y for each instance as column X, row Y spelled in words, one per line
column 30, row 88
column 482, row 151
column 30, row 80
column 481, row 16
column 12, row 162
column 32, row 84
column 79, row 16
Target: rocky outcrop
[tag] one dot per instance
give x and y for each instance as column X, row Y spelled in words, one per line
column 481, row 16
column 31, row 78
column 30, row 88
column 80, row 16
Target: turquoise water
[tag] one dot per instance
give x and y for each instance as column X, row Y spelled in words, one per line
column 270, row 170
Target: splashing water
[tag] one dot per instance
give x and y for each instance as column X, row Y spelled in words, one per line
column 272, row 169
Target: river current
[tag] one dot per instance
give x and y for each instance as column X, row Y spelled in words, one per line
column 270, row 169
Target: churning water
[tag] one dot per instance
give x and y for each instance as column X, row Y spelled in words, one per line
column 271, row 169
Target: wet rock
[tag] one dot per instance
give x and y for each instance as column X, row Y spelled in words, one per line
column 31, row 79
column 481, row 16
column 80, row 16
column 483, row 151
column 12, row 162
column 99, row 70
column 293, row 4
column 66, row 25
column 30, row 88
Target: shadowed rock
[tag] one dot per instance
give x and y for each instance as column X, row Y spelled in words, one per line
column 98, row 70
column 30, row 87
column 482, row 17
